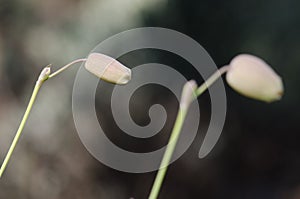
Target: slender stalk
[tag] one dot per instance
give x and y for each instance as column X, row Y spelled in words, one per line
column 176, row 132
column 21, row 127
column 45, row 75
column 66, row 66
column 211, row 80
column 168, row 153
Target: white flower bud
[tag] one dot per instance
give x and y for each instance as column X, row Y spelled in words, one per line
column 107, row 68
column 254, row 78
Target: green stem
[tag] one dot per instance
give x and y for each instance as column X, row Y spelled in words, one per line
column 211, row 80
column 45, row 75
column 176, row 132
column 66, row 66
column 23, row 122
column 168, row 153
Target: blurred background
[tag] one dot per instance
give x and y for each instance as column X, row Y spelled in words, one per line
column 257, row 155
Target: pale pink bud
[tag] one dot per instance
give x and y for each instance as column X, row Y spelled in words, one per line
column 107, row 68
column 254, row 78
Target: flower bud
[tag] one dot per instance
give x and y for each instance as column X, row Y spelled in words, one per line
column 107, row 68
column 254, row 78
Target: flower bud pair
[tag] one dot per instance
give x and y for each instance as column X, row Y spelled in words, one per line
column 246, row 74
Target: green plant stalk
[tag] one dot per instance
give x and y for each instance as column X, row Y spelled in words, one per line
column 42, row 78
column 66, row 66
column 168, row 153
column 214, row 77
column 176, row 132
column 21, row 127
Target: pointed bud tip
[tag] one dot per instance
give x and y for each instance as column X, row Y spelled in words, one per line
column 108, row 68
column 125, row 78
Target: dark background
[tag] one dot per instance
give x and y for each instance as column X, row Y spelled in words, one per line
column 257, row 155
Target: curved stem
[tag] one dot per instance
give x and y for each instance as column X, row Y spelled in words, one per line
column 216, row 75
column 176, row 132
column 66, row 66
column 22, row 124
column 45, row 75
